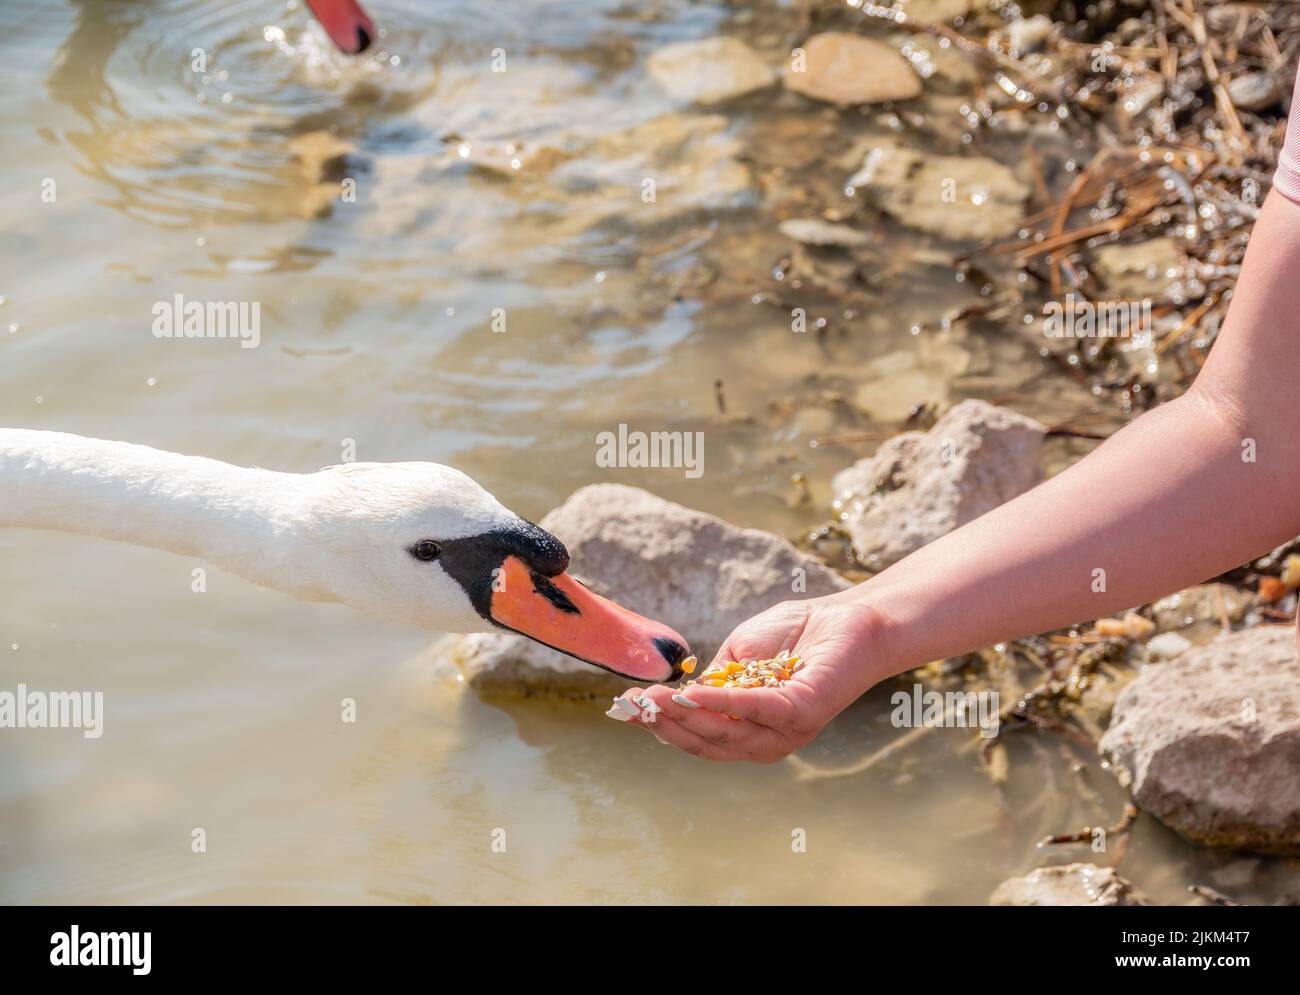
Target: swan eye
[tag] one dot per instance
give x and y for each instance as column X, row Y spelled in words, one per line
column 426, row 549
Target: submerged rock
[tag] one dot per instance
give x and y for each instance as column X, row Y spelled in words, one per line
column 943, row 68
column 847, row 69
column 692, row 159
column 899, row 385
column 958, row 197
column 321, row 158
column 922, row 485
column 1210, row 743
column 934, row 11
column 823, row 234
column 696, row 572
column 1196, row 606
column 1069, row 884
column 709, row 71
column 1140, row 269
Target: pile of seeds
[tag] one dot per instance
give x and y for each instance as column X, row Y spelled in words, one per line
column 752, row 673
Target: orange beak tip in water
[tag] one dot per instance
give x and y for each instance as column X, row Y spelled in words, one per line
column 348, row 26
column 561, row 613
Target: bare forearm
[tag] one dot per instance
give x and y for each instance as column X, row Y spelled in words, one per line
column 1167, row 502
column 1187, row 491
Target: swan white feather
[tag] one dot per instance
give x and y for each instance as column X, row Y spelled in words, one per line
column 339, row 534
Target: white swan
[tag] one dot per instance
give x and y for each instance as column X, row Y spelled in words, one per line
column 414, row 542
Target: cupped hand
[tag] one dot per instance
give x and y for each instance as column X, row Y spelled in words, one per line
column 841, row 644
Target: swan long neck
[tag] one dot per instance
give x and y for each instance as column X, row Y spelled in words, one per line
column 249, row 521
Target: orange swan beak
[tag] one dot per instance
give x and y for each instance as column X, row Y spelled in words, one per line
column 563, row 614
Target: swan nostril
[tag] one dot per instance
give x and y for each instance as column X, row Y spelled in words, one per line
column 554, row 595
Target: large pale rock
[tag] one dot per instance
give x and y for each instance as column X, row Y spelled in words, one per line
column 921, row 485
column 693, row 571
column 1210, row 743
column 846, row 69
column 709, row 71
column 958, row 197
column 1069, row 884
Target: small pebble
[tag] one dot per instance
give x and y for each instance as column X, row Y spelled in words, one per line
column 1167, row 645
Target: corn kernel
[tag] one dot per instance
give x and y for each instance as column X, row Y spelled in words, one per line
column 1110, row 627
column 751, row 673
column 1271, row 589
column 688, row 665
column 1291, row 572
column 1137, row 627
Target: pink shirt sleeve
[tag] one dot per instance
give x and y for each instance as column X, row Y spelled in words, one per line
column 1287, row 178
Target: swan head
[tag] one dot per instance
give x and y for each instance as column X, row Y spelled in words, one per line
column 424, row 544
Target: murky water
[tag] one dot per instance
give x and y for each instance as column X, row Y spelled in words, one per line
column 475, row 190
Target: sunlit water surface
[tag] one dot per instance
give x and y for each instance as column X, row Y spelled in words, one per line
column 222, row 183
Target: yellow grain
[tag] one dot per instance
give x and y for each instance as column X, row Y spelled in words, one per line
column 751, row 673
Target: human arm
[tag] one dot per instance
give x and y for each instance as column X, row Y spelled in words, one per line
column 1185, row 492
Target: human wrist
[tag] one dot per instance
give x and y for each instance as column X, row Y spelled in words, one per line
column 871, row 628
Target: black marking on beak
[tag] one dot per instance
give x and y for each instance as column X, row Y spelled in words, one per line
column 554, row 595
column 473, row 561
column 363, row 40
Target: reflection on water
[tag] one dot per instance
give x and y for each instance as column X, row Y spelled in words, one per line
column 476, row 191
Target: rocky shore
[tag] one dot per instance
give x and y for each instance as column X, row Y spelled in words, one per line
column 970, row 128
column 1206, row 736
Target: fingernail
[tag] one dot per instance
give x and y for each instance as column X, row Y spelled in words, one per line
column 626, row 707
column 685, row 702
column 619, row 716
column 649, row 709
column 664, row 741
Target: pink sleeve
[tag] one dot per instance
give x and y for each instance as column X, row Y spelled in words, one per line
column 1287, row 178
